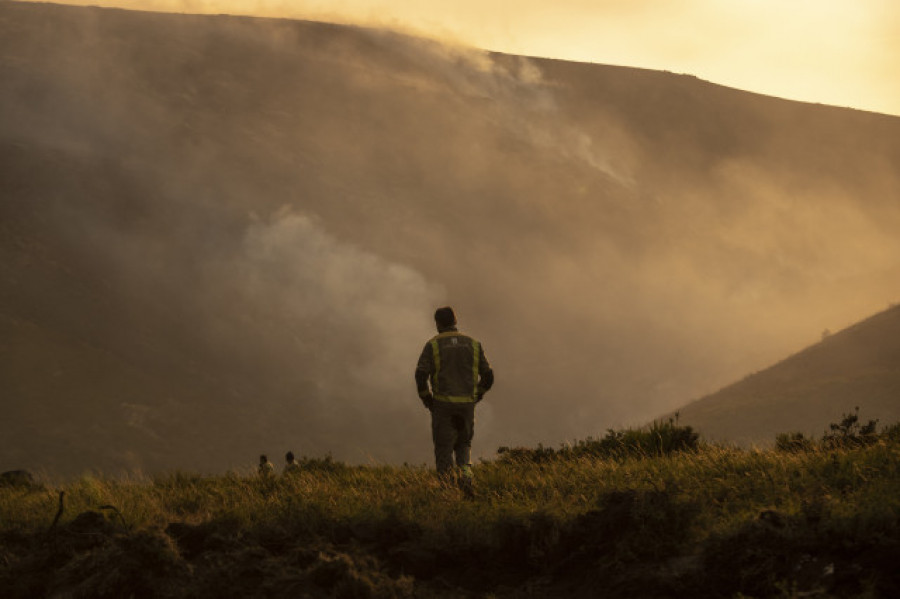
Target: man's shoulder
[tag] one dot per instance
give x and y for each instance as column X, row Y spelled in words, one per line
column 455, row 338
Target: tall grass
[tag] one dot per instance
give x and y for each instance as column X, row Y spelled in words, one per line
column 704, row 520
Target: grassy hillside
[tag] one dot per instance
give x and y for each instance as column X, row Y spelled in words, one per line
column 707, row 522
column 225, row 236
column 858, row 366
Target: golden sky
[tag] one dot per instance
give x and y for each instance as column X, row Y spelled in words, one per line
column 840, row 52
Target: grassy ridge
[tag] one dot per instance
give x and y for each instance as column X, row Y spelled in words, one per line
column 704, row 522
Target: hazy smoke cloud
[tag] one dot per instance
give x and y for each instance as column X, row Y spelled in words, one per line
column 293, row 269
column 245, row 226
column 804, row 47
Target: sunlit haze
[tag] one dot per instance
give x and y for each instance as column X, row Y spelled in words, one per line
column 843, row 53
column 222, row 236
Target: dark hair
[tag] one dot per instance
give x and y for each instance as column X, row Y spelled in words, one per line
column 263, row 458
column 289, row 456
column 444, row 317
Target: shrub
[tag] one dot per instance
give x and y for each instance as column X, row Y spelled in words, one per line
column 661, row 438
column 326, row 464
column 891, row 433
column 538, row 455
column 850, row 433
column 793, row 442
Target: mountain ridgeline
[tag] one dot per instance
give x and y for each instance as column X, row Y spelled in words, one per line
column 858, row 367
column 222, row 236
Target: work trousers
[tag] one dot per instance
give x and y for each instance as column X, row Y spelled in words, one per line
column 452, row 428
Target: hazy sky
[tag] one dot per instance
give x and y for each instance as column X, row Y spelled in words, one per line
column 840, row 52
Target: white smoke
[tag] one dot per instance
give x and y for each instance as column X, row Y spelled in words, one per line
column 296, row 270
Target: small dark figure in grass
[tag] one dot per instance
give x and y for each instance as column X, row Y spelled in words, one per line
column 453, row 375
column 265, row 468
column 290, row 466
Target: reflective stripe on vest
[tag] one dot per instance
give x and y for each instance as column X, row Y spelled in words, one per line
column 436, row 352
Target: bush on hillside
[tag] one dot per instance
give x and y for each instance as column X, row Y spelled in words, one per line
column 326, row 464
column 793, row 442
column 659, row 439
column 891, row 433
column 849, row 432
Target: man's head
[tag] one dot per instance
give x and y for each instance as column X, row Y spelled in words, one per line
column 289, row 456
column 263, row 459
column 444, row 318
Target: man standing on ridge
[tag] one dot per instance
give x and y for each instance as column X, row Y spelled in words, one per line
column 452, row 375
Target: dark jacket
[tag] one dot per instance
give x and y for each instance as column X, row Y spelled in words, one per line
column 455, row 367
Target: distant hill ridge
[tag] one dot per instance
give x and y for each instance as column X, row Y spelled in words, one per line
column 856, row 367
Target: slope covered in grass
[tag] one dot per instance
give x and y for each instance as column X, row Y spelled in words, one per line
column 858, row 366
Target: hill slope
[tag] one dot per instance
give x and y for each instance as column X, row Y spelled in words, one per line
column 221, row 236
column 856, row 367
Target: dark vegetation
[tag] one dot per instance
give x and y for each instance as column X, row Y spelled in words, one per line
column 659, row 439
column 629, row 515
column 849, row 432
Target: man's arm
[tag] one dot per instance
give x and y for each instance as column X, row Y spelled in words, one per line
column 424, row 369
column 485, row 373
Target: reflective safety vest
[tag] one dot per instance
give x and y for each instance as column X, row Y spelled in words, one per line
column 458, row 362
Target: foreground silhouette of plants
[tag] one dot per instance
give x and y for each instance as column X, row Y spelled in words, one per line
column 698, row 521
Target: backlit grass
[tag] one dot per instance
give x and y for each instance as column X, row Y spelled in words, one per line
column 704, row 520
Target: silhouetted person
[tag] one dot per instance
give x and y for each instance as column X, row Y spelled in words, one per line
column 290, row 466
column 265, row 466
column 452, row 375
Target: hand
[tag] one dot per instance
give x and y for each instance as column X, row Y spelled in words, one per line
column 428, row 401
